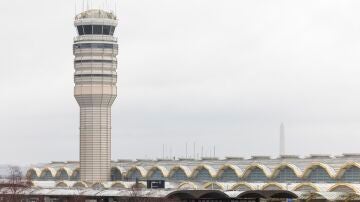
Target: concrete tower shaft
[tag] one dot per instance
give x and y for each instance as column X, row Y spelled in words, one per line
column 95, row 78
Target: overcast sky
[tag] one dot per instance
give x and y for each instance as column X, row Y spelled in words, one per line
column 214, row 72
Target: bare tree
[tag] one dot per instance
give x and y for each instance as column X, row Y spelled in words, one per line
column 14, row 185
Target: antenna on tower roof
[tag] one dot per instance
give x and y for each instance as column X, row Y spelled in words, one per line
column 202, row 151
column 214, row 151
column 115, row 8
column 163, row 151
column 282, row 139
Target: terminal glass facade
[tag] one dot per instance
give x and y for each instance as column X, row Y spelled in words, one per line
column 203, row 175
column 228, row 175
column 319, row 174
column 256, row 175
column 179, row 175
column 351, row 174
column 286, row 175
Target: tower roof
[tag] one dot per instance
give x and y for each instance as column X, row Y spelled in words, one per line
column 95, row 13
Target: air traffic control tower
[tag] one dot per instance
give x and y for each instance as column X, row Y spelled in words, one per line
column 95, row 49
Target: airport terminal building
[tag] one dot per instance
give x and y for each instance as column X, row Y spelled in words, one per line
column 320, row 174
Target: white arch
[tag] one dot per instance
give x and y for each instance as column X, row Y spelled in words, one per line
column 343, row 187
column 297, row 171
column 141, row 169
column 119, row 185
column 43, row 184
column 80, row 184
column 274, row 185
column 186, row 170
column 235, row 168
column 262, row 167
column 66, row 169
column 65, row 184
column 74, row 172
column 51, row 170
column 346, row 166
column 37, row 172
column 306, row 187
column 188, row 185
column 245, row 185
column 210, row 185
column 153, row 169
column 327, row 168
column 210, row 169
column 120, row 169
column 62, row 184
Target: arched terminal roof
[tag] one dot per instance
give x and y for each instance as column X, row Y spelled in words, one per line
column 51, row 170
column 33, row 170
column 120, row 169
column 344, row 187
column 291, row 166
column 210, row 169
column 67, row 170
column 243, row 186
column 346, row 166
column 185, row 169
column 153, row 169
column 273, row 186
column 214, row 186
column 188, row 185
column 306, row 187
column 235, row 168
column 262, row 167
column 330, row 171
column 141, row 169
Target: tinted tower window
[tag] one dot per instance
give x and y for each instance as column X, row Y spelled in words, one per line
column 87, row 29
column 106, row 30
column 96, row 45
column 112, row 30
column 97, row 29
column 80, row 30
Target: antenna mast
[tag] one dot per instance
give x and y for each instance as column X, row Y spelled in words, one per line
column 75, row 8
column 282, row 139
column 115, row 7
column 214, row 151
column 163, row 151
column 202, row 151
